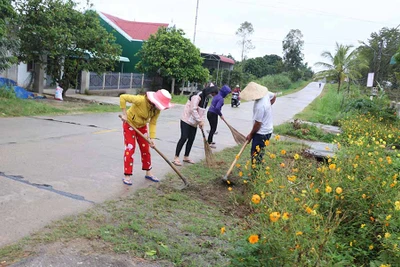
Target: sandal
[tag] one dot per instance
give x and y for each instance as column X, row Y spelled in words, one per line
column 188, row 161
column 176, row 163
column 152, row 178
column 127, row 182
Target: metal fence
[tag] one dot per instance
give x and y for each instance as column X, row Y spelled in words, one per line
column 117, row 80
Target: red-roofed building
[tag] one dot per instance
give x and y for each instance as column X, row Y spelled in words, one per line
column 130, row 36
column 217, row 63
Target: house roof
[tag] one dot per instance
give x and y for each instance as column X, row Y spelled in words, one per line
column 227, row 60
column 214, row 57
column 132, row 30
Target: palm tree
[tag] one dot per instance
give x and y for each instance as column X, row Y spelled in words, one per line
column 344, row 64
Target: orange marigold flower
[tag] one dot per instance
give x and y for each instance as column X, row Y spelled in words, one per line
column 230, row 188
column 309, row 210
column 332, row 166
column 292, row 178
column 274, row 216
column 240, row 174
column 253, row 239
column 328, row 189
column 266, row 143
column 283, row 152
column 277, row 137
column 299, row 233
column 256, row 199
column 339, row 190
column 283, row 165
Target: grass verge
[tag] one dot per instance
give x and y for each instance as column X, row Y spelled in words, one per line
column 198, row 226
column 304, row 131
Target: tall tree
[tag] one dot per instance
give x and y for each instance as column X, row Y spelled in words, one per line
column 244, row 32
column 379, row 49
column 66, row 41
column 292, row 50
column 344, row 64
column 171, row 55
column 8, row 40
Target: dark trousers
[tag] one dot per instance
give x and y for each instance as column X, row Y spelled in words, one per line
column 213, row 120
column 188, row 133
column 258, row 140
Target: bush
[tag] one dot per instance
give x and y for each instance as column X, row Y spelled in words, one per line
column 342, row 212
column 377, row 107
column 7, row 92
column 276, row 82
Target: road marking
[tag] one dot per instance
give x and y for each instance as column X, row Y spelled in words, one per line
column 106, row 131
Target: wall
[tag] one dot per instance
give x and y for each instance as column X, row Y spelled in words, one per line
column 24, row 76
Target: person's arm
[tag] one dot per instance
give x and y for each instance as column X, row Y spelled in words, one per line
column 256, row 128
column 218, row 106
column 272, row 98
column 194, row 105
column 152, row 127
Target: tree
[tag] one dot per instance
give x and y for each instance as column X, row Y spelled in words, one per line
column 292, row 50
column 378, row 51
column 262, row 66
column 64, row 40
column 344, row 64
column 244, row 32
column 8, row 40
column 171, row 55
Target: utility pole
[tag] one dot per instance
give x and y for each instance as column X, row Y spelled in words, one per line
column 195, row 22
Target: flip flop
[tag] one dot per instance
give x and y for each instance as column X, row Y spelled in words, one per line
column 176, row 163
column 188, row 161
column 127, row 182
column 152, row 178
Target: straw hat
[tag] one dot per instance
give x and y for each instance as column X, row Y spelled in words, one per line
column 161, row 99
column 253, row 91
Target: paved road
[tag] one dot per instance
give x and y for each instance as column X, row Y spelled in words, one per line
column 51, row 167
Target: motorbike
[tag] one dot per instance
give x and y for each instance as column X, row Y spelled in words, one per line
column 235, row 99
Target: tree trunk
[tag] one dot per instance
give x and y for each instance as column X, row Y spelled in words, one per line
column 339, row 84
column 173, row 86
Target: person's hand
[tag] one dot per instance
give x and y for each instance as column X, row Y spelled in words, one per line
column 123, row 117
column 151, row 143
column 249, row 137
column 222, row 117
column 201, row 124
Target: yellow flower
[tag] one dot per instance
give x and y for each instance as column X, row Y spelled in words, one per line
column 339, row 190
column 269, row 181
column 328, row 189
column 364, row 196
column 332, row 166
column 285, row 216
column 283, row 165
column 230, row 188
column 274, row 216
column 272, row 156
column 277, row 137
column 397, row 205
column 283, row 152
column 238, row 165
column 222, row 230
column 388, row 217
column 256, row 199
column 387, row 235
column 258, row 148
column 363, row 225
column 309, row 210
column 299, row 233
column 240, row 174
column 266, row 143
column 292, row 178
column 296, row 156
column 296, row 199
column 253, row 239
column 245, row 181
column 371, row 247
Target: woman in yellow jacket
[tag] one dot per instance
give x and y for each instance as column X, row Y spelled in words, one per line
column 145, row 109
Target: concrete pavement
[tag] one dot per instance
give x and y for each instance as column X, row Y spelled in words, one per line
column 51, row 167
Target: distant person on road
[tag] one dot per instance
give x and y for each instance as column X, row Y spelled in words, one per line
column 319, row 85
column 262, row 118
column 237, row 90
column 215, row 111
column 145, row 109
column 193, row 115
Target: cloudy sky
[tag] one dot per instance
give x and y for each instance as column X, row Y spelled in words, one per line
column 322, row 22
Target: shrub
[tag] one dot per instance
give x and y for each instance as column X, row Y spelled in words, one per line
column 276, row 82
column 343, row 212
column 7, row 92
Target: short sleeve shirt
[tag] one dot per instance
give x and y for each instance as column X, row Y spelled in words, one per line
column 262, row 112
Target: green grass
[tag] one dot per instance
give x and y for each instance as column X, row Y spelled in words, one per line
column 324, row 109
column 10, row 107
column 304, row 131
column 294, row 87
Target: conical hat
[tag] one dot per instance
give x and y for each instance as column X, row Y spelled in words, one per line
column 253, row 91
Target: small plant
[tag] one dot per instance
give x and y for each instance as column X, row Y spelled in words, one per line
column 7, row 92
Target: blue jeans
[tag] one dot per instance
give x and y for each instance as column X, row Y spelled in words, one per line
column 258, row 140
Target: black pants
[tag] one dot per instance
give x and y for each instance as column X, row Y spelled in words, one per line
column 258, row 140
column 213, row 120
column 188, row 133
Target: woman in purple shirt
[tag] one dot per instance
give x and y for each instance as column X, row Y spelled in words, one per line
column 214, row 111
